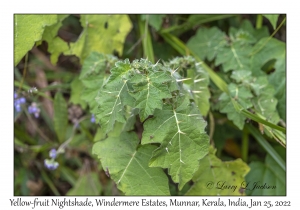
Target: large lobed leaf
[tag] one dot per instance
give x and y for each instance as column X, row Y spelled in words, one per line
column 216, row 177
column 207, row 43
column 149, row 90
column 94, row 72
column 266, row 50
column 101, row 33
column 114, row 96
column 232, row 51
column 28, row 30
column 180, row 131
column 127, row 165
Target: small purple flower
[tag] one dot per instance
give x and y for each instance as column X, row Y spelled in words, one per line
column 93, row 119
column 18, row 102
column 36, row 114
column 33, row 109
column 18, row 107
column 52, row 153
column 22, row 100
column 51, row 164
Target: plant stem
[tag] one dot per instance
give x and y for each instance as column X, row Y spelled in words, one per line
column 259, row 21
column 245, row 145
column 62, row 147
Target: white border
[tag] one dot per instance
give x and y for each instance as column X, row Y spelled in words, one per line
column 8, row 8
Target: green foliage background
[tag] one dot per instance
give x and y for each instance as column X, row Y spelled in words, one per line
column 213, row 85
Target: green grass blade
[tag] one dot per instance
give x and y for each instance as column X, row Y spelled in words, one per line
column 269, row 149
column 50, row 183
column 146, row 39
column 195, row 20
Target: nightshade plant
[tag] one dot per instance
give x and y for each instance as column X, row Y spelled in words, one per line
column 168, row 106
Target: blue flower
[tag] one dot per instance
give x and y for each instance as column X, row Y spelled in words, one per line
column 18, row 102
column 22, row 100
column 51, row 164
column 93, row 118
column 53, row 153
column 33, row 109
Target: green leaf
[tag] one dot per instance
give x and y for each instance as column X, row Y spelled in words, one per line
column 216, row 177
column 207, row 42
column 256, row 33
column 264, row 51
column 239, row 94
column 149, row 90
column 114, row 96
column 93, row 74
column 76, row 91
column 273, row 19
column 235, row 56
column 101, row 33
column 219, row 82
column 154, row 20
column 127, row 165
column 268, row 174
column 86, row 185
column 198, row 88
column 180, row 131
column 56, row 45
column 28, row 30
column 60, row 116
column 195, row 80
column 95, row 63
column 241, row 36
